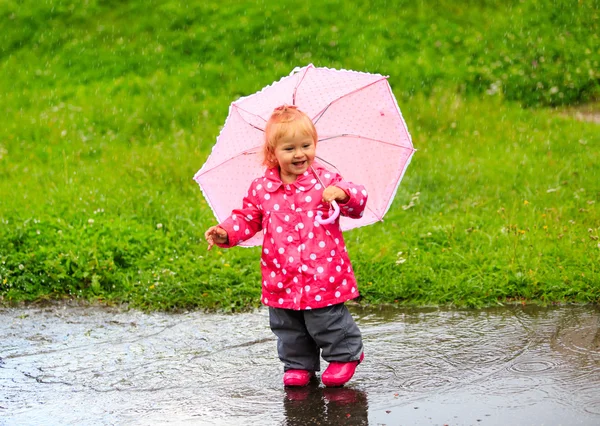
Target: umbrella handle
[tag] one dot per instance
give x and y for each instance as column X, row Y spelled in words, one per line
column 332, row 216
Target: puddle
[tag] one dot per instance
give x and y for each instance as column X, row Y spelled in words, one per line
column 93, row 366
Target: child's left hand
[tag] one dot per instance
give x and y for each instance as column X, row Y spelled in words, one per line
column 332, row 193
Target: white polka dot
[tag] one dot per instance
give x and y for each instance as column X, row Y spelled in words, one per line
column 269, row 185
column 337, row 241
column 284, row 271
column 311, row 235
column 313, row 256
column 327, row 175
column 321, row 244
column 276, row 207
column 272, row 241
column 307, row 288
column 281, row 250
column 254, row 193
column 332, row 252
column 295, row 280
column 288, row 290
column 279, row 229
column 310, row 214
column 362, row 202
column 259, row 186
column 354, row 191
column 318, row 186
column 280, row 284
column 267, row 196
column 266, row 300
column 338, row 268
column 344, row 282
column 291, row 259
column 290, row 239
column 318, row 298
column 234, row 216
column 331, row 279
column 320, row 269
column 304, row 268
column 338, row 294
column 316, row 224
column 236, row 228
column 353, row 290
column 313, row 181
column 329, row 259
column 247, row 232
column 280, row 301
column 266, row 251
column 272, row 274
column 308, row 198
column 300, row 225
column 364, row 192
column 286, row 218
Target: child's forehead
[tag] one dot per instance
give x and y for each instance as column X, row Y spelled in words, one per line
column 294, row 137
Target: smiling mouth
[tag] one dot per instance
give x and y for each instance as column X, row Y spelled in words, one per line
column 299, row 163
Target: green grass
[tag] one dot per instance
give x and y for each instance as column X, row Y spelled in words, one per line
column 110, row 107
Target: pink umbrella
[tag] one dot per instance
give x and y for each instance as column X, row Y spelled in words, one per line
column 362, row 136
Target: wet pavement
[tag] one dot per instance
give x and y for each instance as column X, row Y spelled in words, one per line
column 93, row 366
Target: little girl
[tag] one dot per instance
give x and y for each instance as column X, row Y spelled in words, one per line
column 306, row 271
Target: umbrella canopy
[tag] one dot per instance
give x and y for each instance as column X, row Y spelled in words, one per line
column 361, row 135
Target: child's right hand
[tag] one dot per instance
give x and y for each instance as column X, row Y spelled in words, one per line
column 216, row 235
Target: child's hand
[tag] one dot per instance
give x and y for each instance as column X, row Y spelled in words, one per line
column 216, row 235
column 334, row 193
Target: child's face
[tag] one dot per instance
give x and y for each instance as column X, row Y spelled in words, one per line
column 294, row 154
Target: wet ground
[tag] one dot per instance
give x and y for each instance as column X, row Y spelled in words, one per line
column 92, row 366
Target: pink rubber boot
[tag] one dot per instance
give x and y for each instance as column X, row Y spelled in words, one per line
column 339, row 373
column 297, row 377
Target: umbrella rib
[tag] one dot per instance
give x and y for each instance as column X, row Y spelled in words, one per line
column 251, row 151
column 350, row 135
column 322, row 112
column 251, row 113
column 299, row 83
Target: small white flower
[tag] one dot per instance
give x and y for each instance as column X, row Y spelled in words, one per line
column 159, row 226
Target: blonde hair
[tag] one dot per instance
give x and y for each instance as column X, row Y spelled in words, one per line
column 286, row 120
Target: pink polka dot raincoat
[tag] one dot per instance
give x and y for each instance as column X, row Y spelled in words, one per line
column 305, row 264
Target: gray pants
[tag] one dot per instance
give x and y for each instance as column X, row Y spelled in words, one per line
column 302, row 334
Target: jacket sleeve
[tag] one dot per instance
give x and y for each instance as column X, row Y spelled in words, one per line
column 355, row 206
column 243, row 222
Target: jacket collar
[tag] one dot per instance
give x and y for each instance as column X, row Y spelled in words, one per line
column 304, row 182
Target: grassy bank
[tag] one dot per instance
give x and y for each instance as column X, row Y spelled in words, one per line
column 110, row 107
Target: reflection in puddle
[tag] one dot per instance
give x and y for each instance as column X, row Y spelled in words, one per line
column 497, row 366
